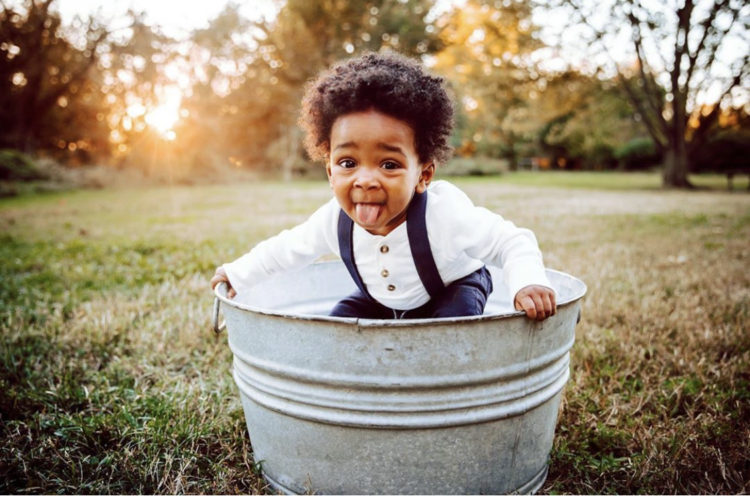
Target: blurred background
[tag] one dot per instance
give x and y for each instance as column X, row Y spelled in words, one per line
column 578, row 113
column 194, row 92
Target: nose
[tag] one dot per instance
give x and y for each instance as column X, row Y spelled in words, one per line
column 366, row 179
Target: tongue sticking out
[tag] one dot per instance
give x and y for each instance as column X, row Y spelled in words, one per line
column 367, row 213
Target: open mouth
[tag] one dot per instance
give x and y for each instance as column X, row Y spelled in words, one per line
column 367, row 213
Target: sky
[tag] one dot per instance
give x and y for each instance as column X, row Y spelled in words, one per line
column 176, row 17
column 179, row 17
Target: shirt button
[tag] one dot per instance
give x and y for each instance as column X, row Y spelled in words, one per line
column 391, row 287
column 384, row 249
column 384, row 272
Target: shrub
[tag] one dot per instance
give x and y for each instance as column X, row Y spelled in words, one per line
column 17, row 166
column 725, row 152
column 601, row 156
column 473, row 166
column 638, row 153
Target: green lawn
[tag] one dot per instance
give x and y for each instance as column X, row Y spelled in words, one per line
column 615, row 180
column 112, row 382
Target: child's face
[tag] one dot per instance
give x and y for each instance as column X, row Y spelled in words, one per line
column 374, row 169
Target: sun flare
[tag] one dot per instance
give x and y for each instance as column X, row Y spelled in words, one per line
column 164, row 116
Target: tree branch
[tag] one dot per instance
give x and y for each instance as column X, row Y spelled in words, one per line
column 656, row 47
column 706, row 122
column 708, row 29
column 47, row 101
column 651, row 91
column 654, row 121
column 706, row 25
column 653, row 129
column 679, row 92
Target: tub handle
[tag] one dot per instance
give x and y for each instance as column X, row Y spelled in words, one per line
column 217, row 303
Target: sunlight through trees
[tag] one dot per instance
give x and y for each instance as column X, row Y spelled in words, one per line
column 227, row 96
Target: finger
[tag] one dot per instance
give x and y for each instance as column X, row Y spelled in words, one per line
column 553, row 301
column 539, row 306
column 549, row 306
column 528, row 306
column 231, row 293
column 217, row 279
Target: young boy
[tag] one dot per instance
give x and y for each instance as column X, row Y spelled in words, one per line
column 414, row 249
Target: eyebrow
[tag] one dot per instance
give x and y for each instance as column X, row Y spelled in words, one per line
column 391, row 148
column 348, row 144
column 384, row 146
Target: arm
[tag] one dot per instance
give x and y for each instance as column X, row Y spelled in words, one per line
column 290, row 249
column 523, row 270
column 487, row 236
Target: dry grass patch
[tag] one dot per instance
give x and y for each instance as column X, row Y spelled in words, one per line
column 112, row 382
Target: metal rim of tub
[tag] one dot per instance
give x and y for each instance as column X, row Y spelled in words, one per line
column 221, row 298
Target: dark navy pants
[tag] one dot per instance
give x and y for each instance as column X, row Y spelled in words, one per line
column 464, row 297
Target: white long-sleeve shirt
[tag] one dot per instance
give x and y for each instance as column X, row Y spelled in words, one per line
column 462, row 237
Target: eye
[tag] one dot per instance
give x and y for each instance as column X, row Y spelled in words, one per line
column 346, row 163
column 390, row 165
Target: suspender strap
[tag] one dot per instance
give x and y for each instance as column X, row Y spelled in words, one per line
column 346, row 249
column 416, row 229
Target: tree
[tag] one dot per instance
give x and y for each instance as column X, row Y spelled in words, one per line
column 681, row 55
column 41, row 73
column 250, row 75
column 580, row 119
column 308, row 36
column 66, row 90
column 486, row 56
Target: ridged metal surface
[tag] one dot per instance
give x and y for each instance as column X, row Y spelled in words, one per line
column 338, row 405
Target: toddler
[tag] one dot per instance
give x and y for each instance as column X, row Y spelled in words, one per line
column 415, row 248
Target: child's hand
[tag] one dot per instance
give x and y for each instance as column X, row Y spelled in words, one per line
column 221, row 276
column 537, row 301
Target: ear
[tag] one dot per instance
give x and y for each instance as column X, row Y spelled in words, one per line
column 328, row 170
column 428, row 171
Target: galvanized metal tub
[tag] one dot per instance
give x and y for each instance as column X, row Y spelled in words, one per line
column 431, row 406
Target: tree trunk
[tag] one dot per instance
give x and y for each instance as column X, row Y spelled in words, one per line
column 675, row 173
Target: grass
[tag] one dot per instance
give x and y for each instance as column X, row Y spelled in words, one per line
column 112, row 382
column 616, row 181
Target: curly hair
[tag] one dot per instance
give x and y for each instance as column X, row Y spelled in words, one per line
column 389, row 83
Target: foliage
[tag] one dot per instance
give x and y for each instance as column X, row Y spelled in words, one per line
column 579, row 121
column 726, row 146
column 17, row 166
column 250, row 113
column 70, row 91
column 725, row 152
column 486, row 58
column 308, row 37
column 41, row 74
column 87, row 92
column 637, row 153
column 473, row 166
column 676, row 55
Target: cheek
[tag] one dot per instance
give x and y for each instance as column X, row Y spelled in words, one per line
column 338, row 186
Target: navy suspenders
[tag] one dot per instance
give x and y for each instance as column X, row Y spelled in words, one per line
column 416, row 230
column 346, row 249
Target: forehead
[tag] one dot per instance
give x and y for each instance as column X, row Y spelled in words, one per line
column 371, row 125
